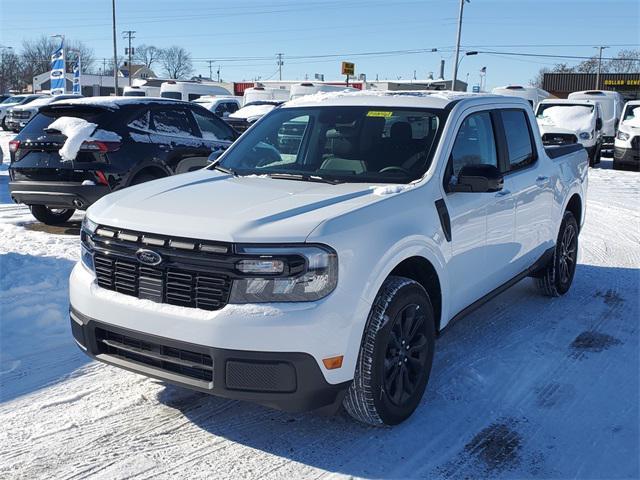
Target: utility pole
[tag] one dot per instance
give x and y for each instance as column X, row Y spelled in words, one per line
column 210, row 62
column 115, row 48
column 130, row 35
column 218, row 72
column 600, row 48
column 280, row 63
column 455, row 63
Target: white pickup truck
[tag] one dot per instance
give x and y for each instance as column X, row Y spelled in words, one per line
column 312, row 274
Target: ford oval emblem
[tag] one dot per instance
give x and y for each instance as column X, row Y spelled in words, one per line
column 148, row 257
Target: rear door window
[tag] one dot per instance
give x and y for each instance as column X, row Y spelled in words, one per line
column 212, row 128
column 521, row 152
column 172, row 122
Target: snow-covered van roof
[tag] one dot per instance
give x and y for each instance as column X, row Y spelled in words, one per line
column 415, row 98
column 114, row 103
column 568, row 101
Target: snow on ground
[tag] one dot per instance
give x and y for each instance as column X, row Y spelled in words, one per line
column 525, row 387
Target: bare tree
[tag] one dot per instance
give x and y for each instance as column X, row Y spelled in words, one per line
column 147, row 55
column 176, row 62
column 590, row 66
column 627, row 61
column 10, row 72
column 35, row 56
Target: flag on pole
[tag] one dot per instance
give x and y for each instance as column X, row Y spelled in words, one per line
column 77, row 74
column 57, row 71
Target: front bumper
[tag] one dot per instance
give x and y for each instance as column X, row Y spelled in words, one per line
column 627, row 155
column 56, row 194
column 289, row 381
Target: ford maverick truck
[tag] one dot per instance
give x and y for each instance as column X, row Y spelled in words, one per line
column 314, row 263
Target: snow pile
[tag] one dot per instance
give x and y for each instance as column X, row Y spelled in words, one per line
column 571, row 117
column 634, row 121
column 381, row 191
column 78, row 131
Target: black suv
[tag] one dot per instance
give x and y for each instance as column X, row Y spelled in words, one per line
column 158, row 138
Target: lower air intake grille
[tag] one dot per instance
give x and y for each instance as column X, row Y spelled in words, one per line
column 194, row 365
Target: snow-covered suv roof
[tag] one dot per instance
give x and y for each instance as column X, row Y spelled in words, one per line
column 415, row 98
column 116, row 102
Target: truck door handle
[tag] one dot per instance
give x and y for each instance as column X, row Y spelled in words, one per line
column 542, row 179
column 503, row 193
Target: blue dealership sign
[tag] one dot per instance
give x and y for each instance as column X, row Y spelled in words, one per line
column 57, row 78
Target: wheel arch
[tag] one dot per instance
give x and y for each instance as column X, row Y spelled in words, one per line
column 574, row 205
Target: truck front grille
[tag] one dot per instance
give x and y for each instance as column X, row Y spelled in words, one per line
column 189, row 274
column 558, row 138
column 186, row 363
column 239, row 125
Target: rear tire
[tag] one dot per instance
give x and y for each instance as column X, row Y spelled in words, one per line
column 395, row 356
column 3, row 124
column 51, row 216
column 556, row 278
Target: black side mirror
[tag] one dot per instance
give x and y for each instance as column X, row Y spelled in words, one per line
column 598, row 124
column 480, row 178
column 213, row 156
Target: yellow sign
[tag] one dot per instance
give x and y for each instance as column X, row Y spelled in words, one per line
column 632, row 82
column 348, row 68
column 379, row 114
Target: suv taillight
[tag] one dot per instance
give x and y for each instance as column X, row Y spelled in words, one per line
column 98, row 146
column 14, row 145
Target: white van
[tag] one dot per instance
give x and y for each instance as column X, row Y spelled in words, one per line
column 260, row 93
column 221, row 105
column 307, row 88
column 144, row 87
column 533, row 95
column 189, row 91
column 627, row 143
column 571, row 121
column 611, row 104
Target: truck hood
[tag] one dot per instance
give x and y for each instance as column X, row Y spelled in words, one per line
column 211, row 205
column 554, row 129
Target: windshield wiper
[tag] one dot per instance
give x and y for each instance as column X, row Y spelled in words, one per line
column 220, row 168
column 304, row 178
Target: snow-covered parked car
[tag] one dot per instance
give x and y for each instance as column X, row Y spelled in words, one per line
column 221, row 105
column 572, row 121
column 242, row 119
column 14, row 101
column 310, row 278
column 18, row 116
column 75, row 151
column 627, row 143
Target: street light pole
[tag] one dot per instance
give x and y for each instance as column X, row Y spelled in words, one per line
column 466, row 54
column 600, row 48
column 115, row 48
column 455, row 63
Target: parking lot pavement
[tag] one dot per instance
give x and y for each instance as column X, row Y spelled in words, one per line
column 525, row 387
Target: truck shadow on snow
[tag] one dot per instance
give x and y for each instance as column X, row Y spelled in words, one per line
column 36, row 346
column 507, row 382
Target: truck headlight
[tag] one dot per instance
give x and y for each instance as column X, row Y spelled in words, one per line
column 584, row 135
column 284, row 274
column 86, row 253
column 622, row 136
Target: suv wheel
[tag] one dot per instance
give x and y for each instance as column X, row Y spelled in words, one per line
column 395, row 356
column 144, row 177
column 556, row 278
column 51, row 216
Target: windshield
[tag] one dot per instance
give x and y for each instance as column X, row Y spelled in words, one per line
column 547, row 109
column 632, row 115
column 137, row 93
column 14, row 99
column 346, row 144
column 174, row 95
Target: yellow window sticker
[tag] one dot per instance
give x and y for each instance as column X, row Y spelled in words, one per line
column 373, row 113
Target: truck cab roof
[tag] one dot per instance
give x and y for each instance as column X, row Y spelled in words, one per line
column 400, row 99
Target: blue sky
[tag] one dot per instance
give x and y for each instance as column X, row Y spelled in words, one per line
column 256, row 30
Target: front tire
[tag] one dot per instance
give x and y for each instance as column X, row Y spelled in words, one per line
column 556, row 278
column 51, row 216
column 395, row 356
